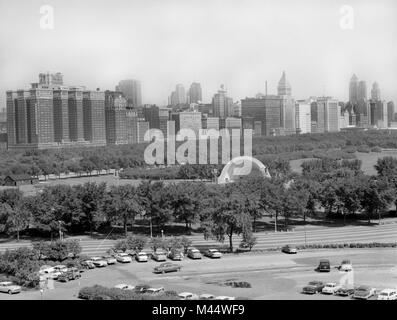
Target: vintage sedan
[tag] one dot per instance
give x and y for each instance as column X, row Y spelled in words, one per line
column 141, row 257
column 123, row 257
column 364, row 292
column 167, row 267
column 99, row 262
column 330, row 288
column 175, row 255
column 289, row 249
column 194, row 253
column 159, row 256
column 188, row 296
column 154, row 290
column 225, row 298
column 110, row 259
column 9, row 287
column 324, row 266
column 206, row 296
column 213, row 254
column 313, row 287
column 87, row 264
column 387, row 294
column 346, row 265
column 344, row 291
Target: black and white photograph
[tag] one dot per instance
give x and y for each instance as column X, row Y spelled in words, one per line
column 218, row 151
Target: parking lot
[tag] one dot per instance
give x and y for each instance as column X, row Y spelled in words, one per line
column 271, row 275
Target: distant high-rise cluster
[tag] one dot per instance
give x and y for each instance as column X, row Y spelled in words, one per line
column 51, row 115
column 131, row 89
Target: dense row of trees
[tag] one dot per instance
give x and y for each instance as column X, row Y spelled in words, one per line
column 86, row 160
column 338, row 188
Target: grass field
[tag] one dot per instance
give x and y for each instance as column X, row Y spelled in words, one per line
column 368, row 161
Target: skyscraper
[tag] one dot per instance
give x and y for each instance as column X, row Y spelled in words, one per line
column 94, row 117
column 115, row 117
column 195, row 94
column 375, row 92
column 362, row 91
column 287, row 105
column 283, row 88
column 303, row 117
column 390, row 112
column 131, row 90
column 353, row 89
column 178, row 96
column 61, row 116
column 331, row 113
column 222, row 105
column 75, row 103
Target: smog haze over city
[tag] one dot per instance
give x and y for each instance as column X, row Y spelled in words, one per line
column 240, row 44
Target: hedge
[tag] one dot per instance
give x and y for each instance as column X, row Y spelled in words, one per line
column 98, row 292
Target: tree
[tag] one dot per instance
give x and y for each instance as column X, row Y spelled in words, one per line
column 156, row 243
column 186, row 243
column 248, row 241
column 122, row 204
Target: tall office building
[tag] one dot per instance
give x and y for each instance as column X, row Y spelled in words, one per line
column 362, row 91
column 164, row 117
column 178, row 96
column 142, row 128
column 353, row 89
column 375, row 92
column 317, row 117
column 61, row 115
column 115, row 117
column 331, row 113
column 379, row 114
column 303, row 117
column 75, row 102
column 131, row 90
column 151, row 115
column 195, row 93
column 187, row 120
column 390, row 112
column 94, row 117
column 132, row 126
column 283, row 88
column 265, row 113
column 287, row 105
column 222, row 104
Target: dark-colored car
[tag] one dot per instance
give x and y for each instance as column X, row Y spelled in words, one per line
column 344, row 292
column 69, row 275
column 142, row 288
column 166, row 267
column 87, row 264
column 324, row 266
column 289, row 249
column 175, row 255
column 364, row 292
column 313, row 287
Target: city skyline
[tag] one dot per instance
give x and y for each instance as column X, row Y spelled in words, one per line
column 204, row 50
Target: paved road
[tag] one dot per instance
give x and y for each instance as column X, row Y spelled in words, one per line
column 382, row 233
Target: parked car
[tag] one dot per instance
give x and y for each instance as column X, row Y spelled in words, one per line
column 388, row 294
column 345, row 266
column 194, row 253
column 159, row 256
column 87, row 264
column 188, row 296
column 224, row 298
column 99, row 262
column 324, row 266
column 9, row 287
column 50, row 272
column 142, row 288
column 60, row 268
column 364, row 292
column 123, row 257
column 141, row 257
column 166, row 267
column 69, row 275
column 344, row 291
column 124, row 286
column 213, row 254
column 175, row 255
column 330, row 288
column 154, row 290
column 288, row 249
column 109, row 259
column 206, row 296
column 313, row 287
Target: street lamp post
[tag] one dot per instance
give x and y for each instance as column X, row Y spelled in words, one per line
column 162, row 233
column 60, row 231
column 151, row 228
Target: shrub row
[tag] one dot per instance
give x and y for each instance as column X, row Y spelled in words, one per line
column 98, row 292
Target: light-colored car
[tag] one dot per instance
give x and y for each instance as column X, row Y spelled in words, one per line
column 60, row 268
column 175, row 255
column 109, row 259
column 289, row 249
column 388, row 294
column 194, row 253
column 330, row 288
column 124, row 286
column 159, row 256
column 99, row 262
column 224, row 298
column 154, row 290
column 188, row 296
column 206, row 296
column 123, row 257
column 50, row 273
column 9, row 287
column 213, row 254
column 141, row 257
column 346, row 265
column 364, row 292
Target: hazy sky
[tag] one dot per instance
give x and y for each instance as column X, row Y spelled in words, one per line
column 240, row 43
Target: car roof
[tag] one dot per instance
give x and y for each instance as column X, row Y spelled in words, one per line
column 388, row 290
column 184, row 293
column 6, row 283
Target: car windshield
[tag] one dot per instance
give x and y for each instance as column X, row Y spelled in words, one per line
column 313, row 283
column 384, row 294
column 6, row 283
